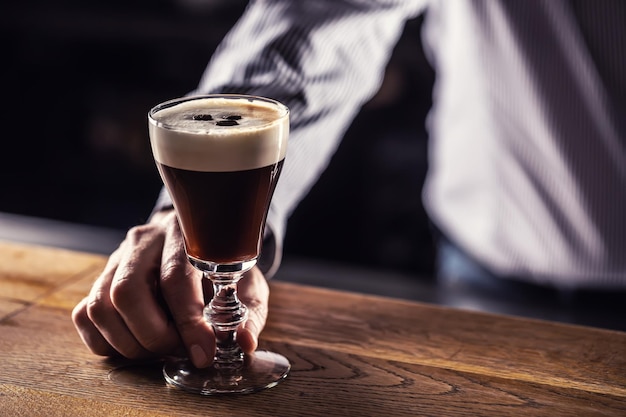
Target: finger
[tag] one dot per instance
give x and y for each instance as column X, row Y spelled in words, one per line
column 106, row 319
column 86, row 328
column 88, row 333
column 134, row 291
column 254, row 293
column 181, row 286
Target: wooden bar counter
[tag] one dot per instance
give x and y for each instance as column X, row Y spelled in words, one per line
column 351, row 355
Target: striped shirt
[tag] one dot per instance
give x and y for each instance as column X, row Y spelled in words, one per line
column 527, row 133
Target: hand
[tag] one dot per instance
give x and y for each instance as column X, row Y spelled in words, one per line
column 148, row 301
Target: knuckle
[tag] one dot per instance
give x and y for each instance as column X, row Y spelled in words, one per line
column 129, row 348
column 157, row 344
column 141, row 235
column 134, row 352
column 98, row 346
column 139, row 232
column 122, row 292
column 153, row 344
column 174, row 271
column 188, row 325
column 79, row 315
column 97, row 307
column 258, row 308
column 170, row 270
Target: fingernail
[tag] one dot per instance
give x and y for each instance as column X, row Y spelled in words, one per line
column 198, row 356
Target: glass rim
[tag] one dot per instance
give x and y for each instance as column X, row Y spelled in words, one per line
column 173, row 102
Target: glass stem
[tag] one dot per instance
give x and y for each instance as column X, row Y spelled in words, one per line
column 225, row 313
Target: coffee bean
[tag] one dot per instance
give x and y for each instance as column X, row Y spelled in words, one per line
column 233, row 117
column 226, row 123
column 204, row 117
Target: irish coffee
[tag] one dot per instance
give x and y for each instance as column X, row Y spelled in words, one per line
column 220, row 158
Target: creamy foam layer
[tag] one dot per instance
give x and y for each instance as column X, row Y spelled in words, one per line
column 219, row 133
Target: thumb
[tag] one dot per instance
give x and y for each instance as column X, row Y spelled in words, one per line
column 182, row 288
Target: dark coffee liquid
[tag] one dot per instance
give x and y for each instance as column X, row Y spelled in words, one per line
column 222, row 214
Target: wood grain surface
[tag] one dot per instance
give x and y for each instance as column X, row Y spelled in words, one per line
column 351, row 355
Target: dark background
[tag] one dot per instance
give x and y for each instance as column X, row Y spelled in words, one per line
column 79, row 77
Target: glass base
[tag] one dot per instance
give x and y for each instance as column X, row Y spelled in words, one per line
column 260, row 370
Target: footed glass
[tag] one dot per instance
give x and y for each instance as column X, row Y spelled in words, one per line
column 220, row 157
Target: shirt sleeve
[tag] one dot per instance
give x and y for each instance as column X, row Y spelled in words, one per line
column 321, row 58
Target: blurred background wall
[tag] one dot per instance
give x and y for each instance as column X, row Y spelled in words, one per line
column 79, row 77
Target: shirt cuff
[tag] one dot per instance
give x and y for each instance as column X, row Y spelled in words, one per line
column 271, row 253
